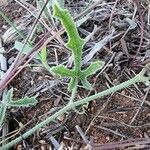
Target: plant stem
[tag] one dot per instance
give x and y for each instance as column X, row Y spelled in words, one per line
column 137, row 78
column 74, row 91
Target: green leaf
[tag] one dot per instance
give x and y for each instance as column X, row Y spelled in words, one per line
column 2, row 113
column 44, row 55
column 5, row 102
column 9, row 96
column 24, row 102
column 63, row 71
column 18, row 45
column 75, row 42
column 86, row 84
column 72, row 84
column 93, row 68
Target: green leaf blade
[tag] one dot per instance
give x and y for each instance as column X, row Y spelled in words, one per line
column 93, row 68
column 43, row 55
column 19, row 45
column 2, row 113
column 63, row 71
column 24, row 102
column 9, row 96
column 86, row 84
column 75, row 42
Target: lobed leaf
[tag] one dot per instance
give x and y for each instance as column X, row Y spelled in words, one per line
column 8, row 101
column 63, row 71
column 93, row 68
column 86, row 84
column 24, row 102
column 75, row 42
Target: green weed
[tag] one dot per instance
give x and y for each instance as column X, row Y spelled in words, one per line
column 9, row 102
column 75, row 44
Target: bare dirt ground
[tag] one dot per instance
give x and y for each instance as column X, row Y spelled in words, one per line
column 120, row 116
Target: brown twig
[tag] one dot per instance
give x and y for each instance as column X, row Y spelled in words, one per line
column 138, row 110
column 112, row 13
column 18, row 59
column 110, row 21
column 18, row 68
column 121, row 144
column 141, row 26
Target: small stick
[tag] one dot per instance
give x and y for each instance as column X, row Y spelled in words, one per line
column 142, row 25
column 134, row 117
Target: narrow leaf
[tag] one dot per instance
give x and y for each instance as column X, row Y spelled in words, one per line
column 72, row 84
column 86, row 84
column 8, row 97
column 43, row 55
column 75, row 42
column 24, row 102
column 92, row 69
column 2, row 113
column 63, row 71
column 18, row 45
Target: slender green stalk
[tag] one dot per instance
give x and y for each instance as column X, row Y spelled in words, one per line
column 74, row 92
column 138, row 78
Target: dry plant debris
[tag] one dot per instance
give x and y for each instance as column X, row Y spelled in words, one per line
column 117, row 32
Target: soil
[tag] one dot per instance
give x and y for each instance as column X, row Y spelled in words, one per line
column 109, row 119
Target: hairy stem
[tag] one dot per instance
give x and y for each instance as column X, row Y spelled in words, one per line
column 138, row 78
column 74, row 91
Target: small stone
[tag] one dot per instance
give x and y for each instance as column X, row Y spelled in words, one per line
column 107, row 138
column 43, row 147
column 61, row 117
column 19, row 147
column 123, row 92
column 125, row 115
column 42, row 142
column 4, row 27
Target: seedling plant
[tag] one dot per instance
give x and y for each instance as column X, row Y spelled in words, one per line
column 76, row 74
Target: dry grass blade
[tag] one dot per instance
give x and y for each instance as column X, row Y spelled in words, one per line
column 121, row 144
column 97, row 47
